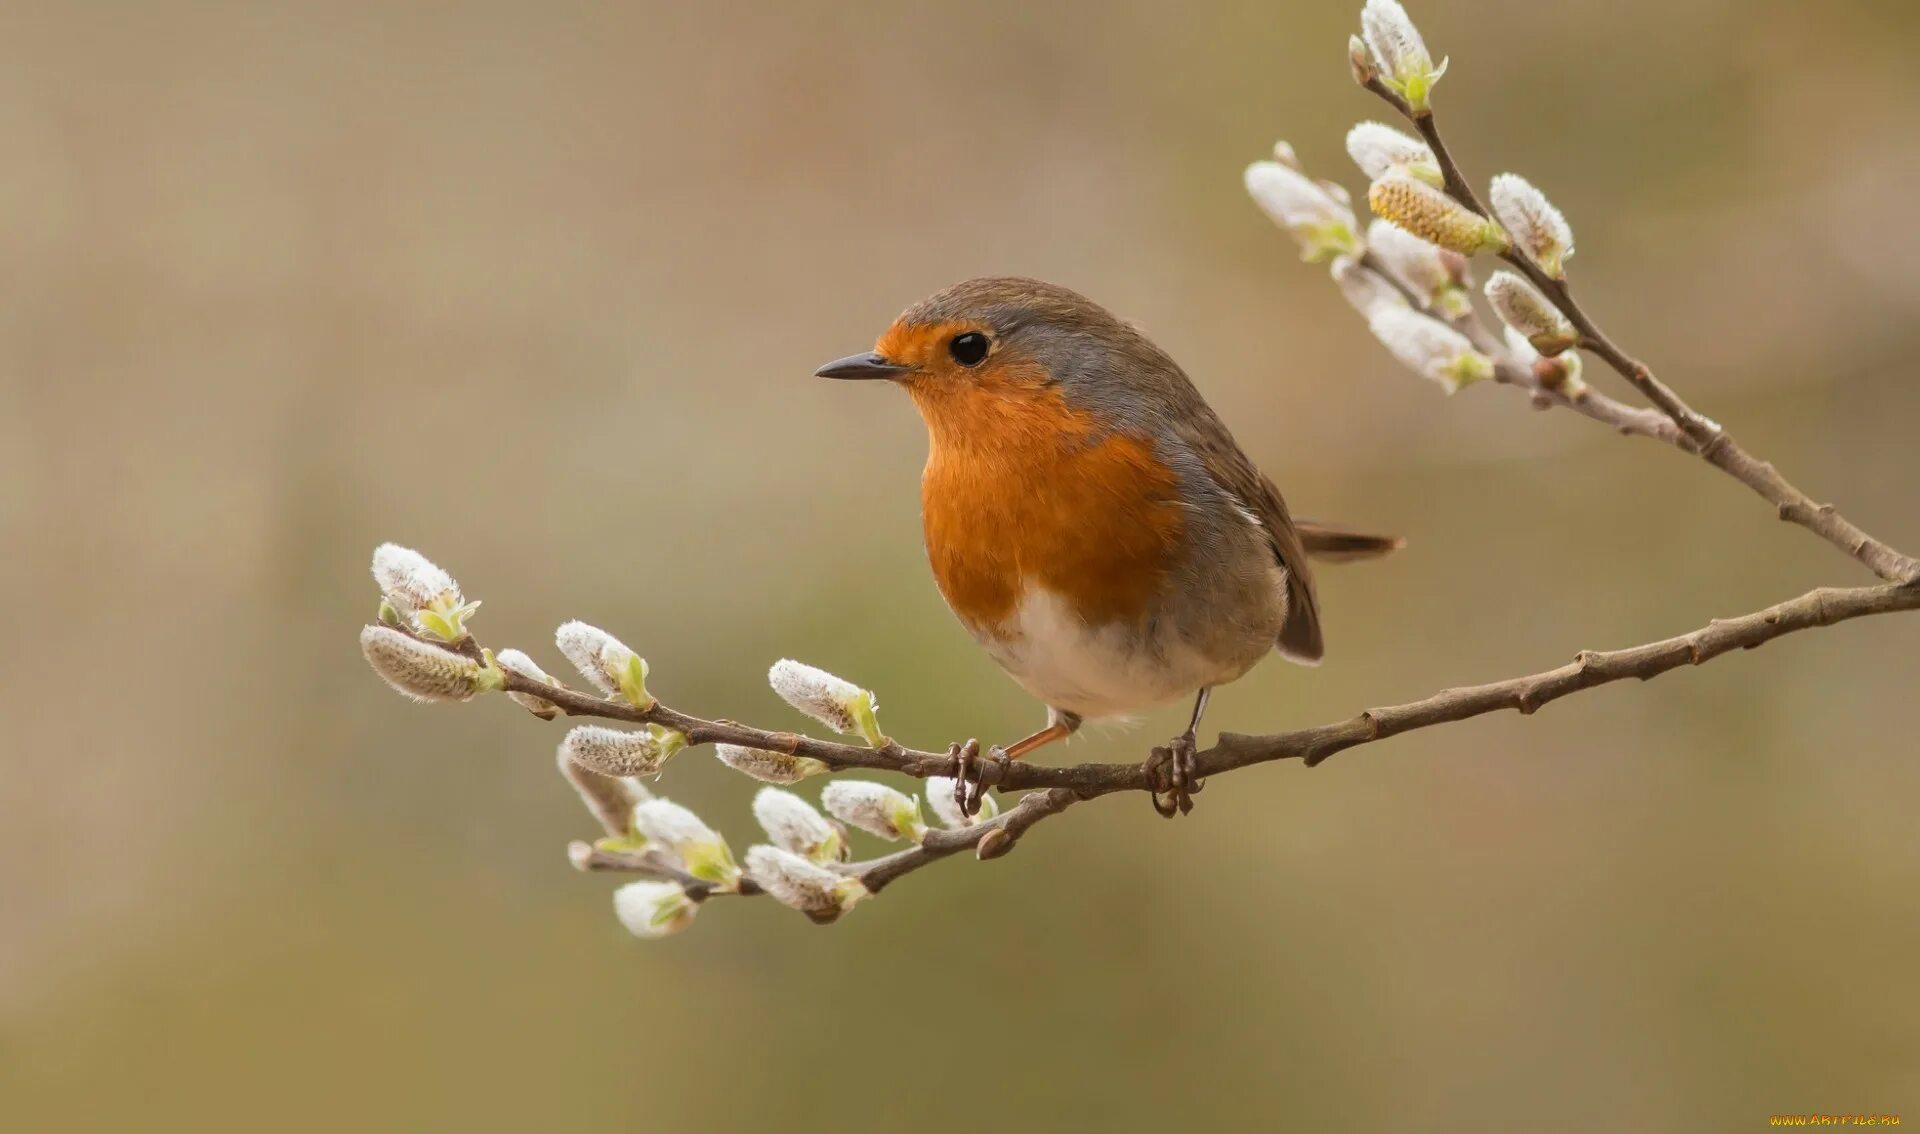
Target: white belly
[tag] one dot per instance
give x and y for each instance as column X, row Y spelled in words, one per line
column 1097, row 671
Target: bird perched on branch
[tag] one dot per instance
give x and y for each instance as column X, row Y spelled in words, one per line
column 1089, row 518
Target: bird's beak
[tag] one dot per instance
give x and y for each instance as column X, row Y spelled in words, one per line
column 867, row 365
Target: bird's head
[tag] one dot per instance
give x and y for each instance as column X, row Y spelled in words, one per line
column 1005, row 340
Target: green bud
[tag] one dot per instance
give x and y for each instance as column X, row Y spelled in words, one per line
column 1400, row 52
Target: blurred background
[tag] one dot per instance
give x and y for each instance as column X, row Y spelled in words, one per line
column 538, row 289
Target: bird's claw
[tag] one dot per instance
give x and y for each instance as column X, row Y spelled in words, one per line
column 1171, row 776
column 967, row 786
column 964, row 757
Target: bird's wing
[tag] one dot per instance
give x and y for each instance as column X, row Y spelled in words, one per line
column 1300, row 637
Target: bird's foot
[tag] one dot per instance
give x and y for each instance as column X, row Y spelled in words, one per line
column 1171, row 775
column 967, row 766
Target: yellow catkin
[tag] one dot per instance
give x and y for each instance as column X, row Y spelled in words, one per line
column 1431, row 215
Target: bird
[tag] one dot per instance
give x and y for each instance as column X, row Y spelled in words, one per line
column 1090, row 520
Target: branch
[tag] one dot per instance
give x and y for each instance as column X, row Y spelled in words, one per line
column 1823, row 606
column 1702, row 435
column 1051, row 790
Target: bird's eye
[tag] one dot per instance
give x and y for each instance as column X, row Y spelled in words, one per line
column 968, row 349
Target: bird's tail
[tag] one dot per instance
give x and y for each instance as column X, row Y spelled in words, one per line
column 1341, row 545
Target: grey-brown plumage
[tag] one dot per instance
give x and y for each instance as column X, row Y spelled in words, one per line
column 1110, row 367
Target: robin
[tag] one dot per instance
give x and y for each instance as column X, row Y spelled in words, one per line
column 1088, row 517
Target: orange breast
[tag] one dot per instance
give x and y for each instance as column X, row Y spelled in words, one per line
column 1018, row 491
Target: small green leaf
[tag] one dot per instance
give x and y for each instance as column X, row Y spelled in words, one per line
column 670, row 740
column 712, row 862
column 665, row 912
column 1323, row 242
column 1452, row 302
column 632, row 843
column 907, row 819
column 829, row 849
column 866, row 718
column 491, row 678
column 633, row 682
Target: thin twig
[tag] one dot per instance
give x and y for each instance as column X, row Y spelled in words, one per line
column 1824, row 606
column 1707, row 437
column 989, row 839
column 654, row 864
column 1509, row 370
